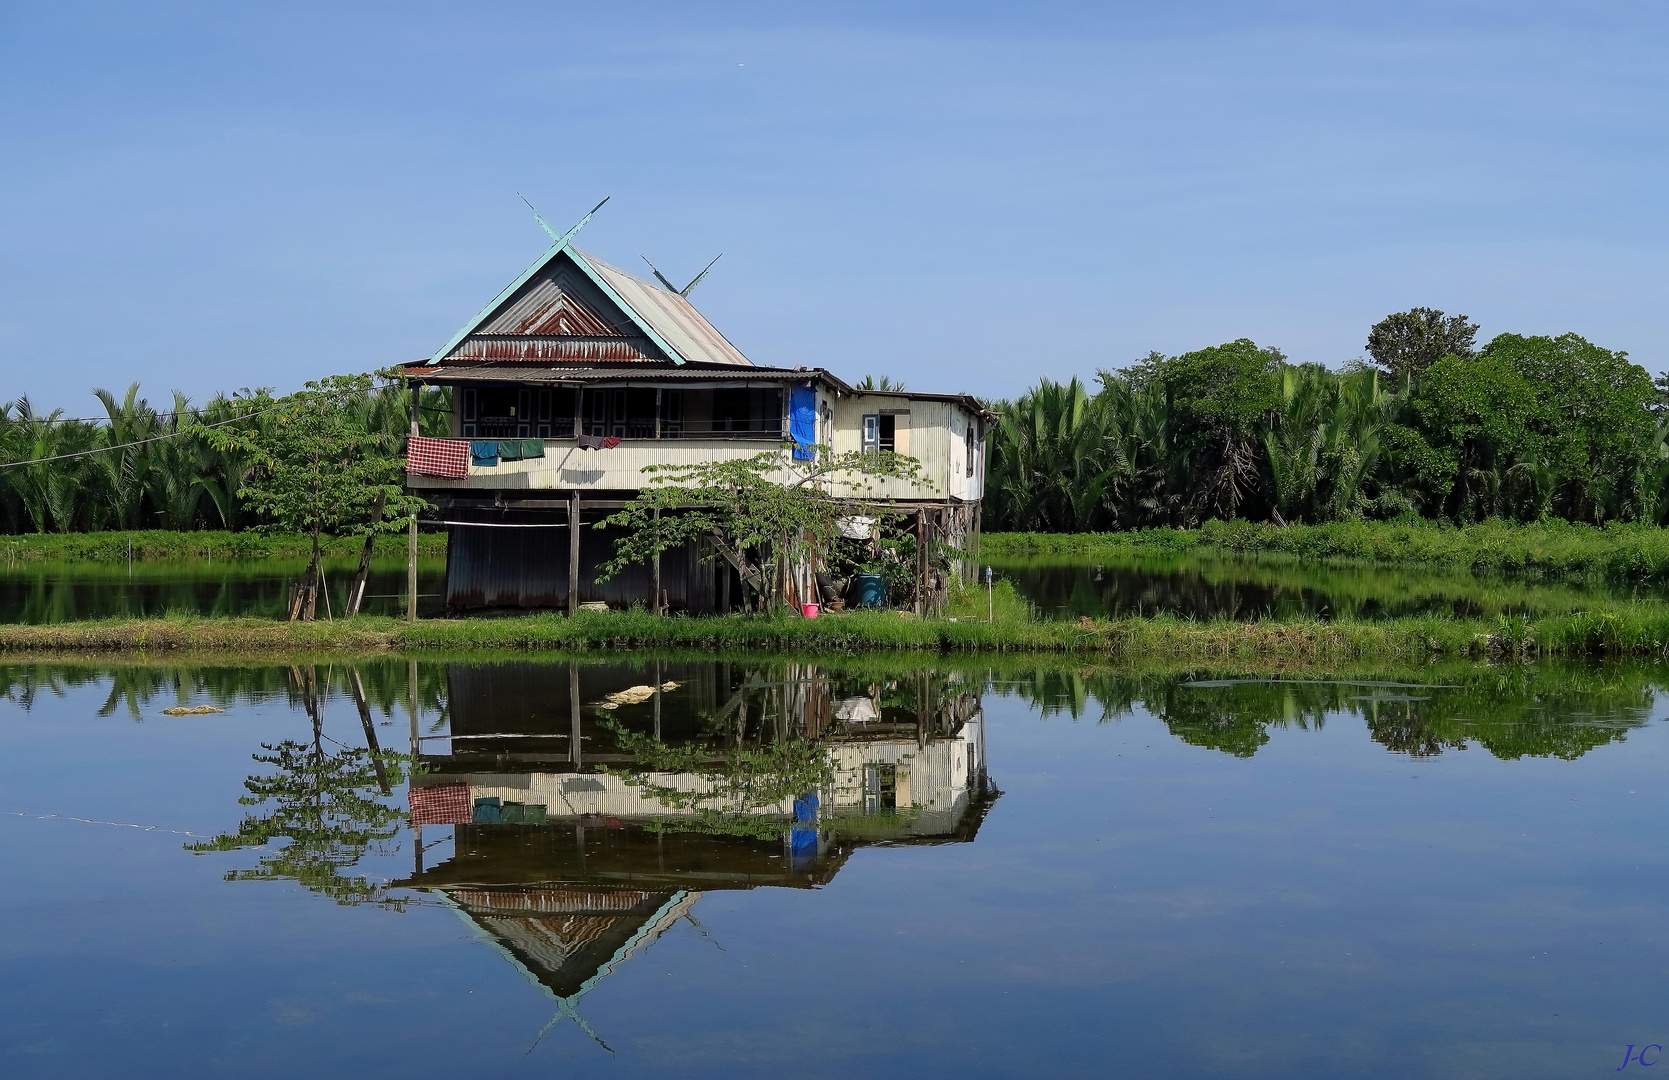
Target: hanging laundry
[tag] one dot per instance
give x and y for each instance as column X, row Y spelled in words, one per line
column 442, row 804
column 483, row 452
column 487, row 811
column 520, row 449
column 446, row 458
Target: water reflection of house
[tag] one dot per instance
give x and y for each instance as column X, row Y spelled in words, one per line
column 593, row 866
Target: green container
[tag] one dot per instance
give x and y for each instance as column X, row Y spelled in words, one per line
column 869, row 590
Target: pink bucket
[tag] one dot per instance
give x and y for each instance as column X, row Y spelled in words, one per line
column 809, row 610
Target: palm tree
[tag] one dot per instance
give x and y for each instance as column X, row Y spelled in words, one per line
column 122, row 473
column 1058, row 458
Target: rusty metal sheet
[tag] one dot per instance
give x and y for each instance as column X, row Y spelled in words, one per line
column 534, row 348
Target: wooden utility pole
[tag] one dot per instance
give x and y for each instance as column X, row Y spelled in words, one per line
column 574, row 552
column 411, row 531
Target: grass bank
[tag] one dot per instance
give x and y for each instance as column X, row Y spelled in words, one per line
column 1625, row 630
column 162, row 544
column 1617, row 552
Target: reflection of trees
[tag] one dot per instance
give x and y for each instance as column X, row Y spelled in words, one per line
column 324, row 805
column 134, row 686
column 1531, row 710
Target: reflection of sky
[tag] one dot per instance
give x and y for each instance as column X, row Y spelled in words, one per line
column 1138, row 906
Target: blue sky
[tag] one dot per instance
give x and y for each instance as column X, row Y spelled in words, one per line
column 965, row 196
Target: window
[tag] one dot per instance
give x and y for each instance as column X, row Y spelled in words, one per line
column 672, row 414
column 888, row 433
column 871, row 433
column 968, row 447
column 880, row 788
column 501, row 412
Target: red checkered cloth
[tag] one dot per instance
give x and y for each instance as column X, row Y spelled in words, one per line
column 443, row 804
column 448, row 458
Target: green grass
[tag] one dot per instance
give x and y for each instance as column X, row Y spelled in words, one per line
column 1635, row 629
column 162, row 544
column 1617, row 552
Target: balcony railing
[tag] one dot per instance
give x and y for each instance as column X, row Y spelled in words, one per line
column 562, row 428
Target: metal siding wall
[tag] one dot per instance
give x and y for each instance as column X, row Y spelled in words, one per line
column 528, row 568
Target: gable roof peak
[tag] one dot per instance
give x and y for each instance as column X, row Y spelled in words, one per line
column 665, row 318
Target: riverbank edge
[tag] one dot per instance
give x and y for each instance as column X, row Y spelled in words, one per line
column 1627, row 630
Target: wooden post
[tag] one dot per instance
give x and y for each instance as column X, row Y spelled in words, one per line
column 655, row 572
column 411, row 704
column 574, row 752
column 660, row 680
column 411, row 531
column 574, row 552
column 365, row 721
column 921, row 557
column 657, row 412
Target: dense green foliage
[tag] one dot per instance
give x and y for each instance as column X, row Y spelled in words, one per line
column 1527, row 429
column 149, row 545
column 1618, row 552
column 179, row 480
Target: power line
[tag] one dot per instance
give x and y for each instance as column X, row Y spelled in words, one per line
column 151, row 416
column 141, row 442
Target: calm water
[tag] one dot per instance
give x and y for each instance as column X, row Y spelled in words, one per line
column 1207, row 588
column 64, row 592
column 830, row 872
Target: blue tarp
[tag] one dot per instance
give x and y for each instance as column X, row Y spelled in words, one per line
column 802, row 422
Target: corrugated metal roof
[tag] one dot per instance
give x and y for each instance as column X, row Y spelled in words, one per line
column 670, row 315
column 528, row 372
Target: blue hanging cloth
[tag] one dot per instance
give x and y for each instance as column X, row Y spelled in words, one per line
column 483, row 452
column 802, row 422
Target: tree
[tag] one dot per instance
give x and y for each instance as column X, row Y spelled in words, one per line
column 1405, row 344
column 321, row 468
column 1594, row 420
column 1220, row 398
column 748, row 507
column 1486, row 415
column 870, row 382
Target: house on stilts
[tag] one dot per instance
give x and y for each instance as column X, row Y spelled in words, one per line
column 579, row 374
